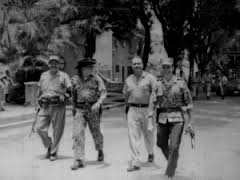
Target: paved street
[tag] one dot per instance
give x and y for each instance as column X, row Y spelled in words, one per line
column 216, row 156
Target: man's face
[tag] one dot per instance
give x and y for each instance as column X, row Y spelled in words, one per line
column 167, row 69
column 53, row 66
column 137, row 65
column 87, row 70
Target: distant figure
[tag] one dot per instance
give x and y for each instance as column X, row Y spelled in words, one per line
column 182, row 75
column 207, row 82
column 196, row 83
column 1, row 95
column 221, row 82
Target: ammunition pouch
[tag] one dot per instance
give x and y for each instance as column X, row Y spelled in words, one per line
column 44, row 102
column 84, row 106
column 167, row 110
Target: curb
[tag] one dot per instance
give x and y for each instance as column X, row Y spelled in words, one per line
column 30, row 117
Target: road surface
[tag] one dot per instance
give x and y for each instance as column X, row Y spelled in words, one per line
column 216, row 156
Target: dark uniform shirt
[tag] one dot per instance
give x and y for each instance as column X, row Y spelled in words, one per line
column 90, row 90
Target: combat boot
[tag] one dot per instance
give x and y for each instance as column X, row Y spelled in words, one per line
column 77, row 164
column 100, row 155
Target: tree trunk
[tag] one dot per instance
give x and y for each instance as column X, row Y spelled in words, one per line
column 90, row 46
column 145, row 21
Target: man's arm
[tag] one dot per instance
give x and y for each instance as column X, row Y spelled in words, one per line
column 188, row 102
column 102, row 90
column 155, row 97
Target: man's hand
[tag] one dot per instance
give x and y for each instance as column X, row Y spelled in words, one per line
column 150, row 123
column 190, row 130
column 74, row 111
column 62, row 98
column 95, row 107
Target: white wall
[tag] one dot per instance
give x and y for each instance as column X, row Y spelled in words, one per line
column 103, row 53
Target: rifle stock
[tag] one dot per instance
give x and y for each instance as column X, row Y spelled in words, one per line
column 34, row 122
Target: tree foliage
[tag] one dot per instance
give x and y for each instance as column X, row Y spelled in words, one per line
column 49, row 26
column 198, row 25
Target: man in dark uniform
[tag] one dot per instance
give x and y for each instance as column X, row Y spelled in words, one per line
column 89, row 93
column 174, row 97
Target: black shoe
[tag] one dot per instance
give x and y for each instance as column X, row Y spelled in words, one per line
column 133, row 168
column 150, row 157
column 48, row 154
column 100, row 155
column 77, row 164
column 53, row 157
column 222, row 97
column 208, row 98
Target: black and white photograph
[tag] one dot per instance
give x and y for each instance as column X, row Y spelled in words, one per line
column 119, row 89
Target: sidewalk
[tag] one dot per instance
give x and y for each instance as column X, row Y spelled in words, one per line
column 18, row 114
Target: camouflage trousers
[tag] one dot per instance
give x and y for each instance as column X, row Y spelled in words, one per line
column 81, row 119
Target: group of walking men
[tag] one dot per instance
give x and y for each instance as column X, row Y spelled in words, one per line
column 149, row 103
column 207, row 81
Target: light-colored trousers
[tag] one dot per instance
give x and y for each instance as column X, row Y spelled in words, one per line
column 196, row 88
column 137, row 125
column 55, row 115
column 81, row 120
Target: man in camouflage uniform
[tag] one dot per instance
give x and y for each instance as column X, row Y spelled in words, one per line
column 137, row 90
column 54, row 88
column 207, row 81
column 89, row 93
column 171, row 96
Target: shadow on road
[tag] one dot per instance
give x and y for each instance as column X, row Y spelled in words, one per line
column 147, row 164
column 103, row 164
column 163, row 177
column 60, row 157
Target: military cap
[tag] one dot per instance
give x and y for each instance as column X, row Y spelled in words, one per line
column 54, row 58
column 86, row 62
column 167, row 61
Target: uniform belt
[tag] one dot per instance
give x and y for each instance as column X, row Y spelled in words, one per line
column 46, row 101
column 84, row 105
column 169, row 110
column 54, row 101
column 139, row 105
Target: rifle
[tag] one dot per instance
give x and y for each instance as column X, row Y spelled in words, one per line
column 34, row 123
column 191, row 134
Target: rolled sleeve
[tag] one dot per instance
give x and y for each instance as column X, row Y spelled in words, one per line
column 102, row 90
column 156, row 93
column 67, row 81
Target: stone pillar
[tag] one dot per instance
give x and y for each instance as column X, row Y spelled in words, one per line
column 31, row 89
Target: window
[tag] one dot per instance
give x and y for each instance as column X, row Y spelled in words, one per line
column 129, row 70
column 117, row 68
